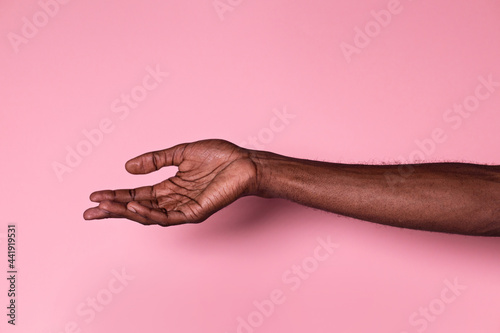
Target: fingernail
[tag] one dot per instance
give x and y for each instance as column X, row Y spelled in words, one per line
column 131, row 209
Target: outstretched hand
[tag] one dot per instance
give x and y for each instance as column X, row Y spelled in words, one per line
column 211, row 175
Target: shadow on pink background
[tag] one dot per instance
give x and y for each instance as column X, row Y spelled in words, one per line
column 343, row 81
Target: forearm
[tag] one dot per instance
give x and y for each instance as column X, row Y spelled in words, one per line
column 445, row 197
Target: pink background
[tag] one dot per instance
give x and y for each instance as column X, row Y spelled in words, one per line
column 227, row 73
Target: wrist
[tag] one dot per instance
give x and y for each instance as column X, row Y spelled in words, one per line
column 265, row 172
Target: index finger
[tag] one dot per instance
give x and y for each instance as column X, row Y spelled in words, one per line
column 155, row 160
column 126, row 195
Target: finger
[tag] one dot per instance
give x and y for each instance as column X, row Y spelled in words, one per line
column 161, row 217
column 155, row 160
column 96, row 213
column 119, row 210
column 136, row 194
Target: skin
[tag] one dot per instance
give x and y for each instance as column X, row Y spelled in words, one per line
column 444, row 197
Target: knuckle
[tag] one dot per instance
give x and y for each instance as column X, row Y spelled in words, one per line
column 154, row 190
column 156, row 160
column 106, row 205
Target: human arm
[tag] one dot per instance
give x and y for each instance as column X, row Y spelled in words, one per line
column 445, row 197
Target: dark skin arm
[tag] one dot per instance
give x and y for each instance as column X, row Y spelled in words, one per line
column 445, row 197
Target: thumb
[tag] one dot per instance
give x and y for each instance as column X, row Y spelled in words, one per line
column 155, row 160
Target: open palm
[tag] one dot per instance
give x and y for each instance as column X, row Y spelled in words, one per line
column 211, row 175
